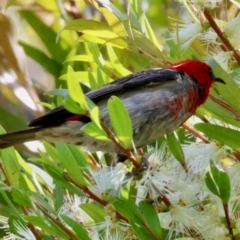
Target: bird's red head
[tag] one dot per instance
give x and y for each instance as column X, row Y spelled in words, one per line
column 200, row 71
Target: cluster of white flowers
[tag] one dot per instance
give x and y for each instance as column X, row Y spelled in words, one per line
column 185, row 33
column 108, row 180
column 194, row 210
column 23, row 231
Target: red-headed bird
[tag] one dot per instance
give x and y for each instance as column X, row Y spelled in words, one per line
column 158, row 102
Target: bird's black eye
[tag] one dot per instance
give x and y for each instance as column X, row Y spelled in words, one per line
column 210, row 72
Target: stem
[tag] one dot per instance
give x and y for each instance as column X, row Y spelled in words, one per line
column 226, row 106
column 154, row 59
column 93, row 196
column 127, row 152
column 195, row 132
column 163, row 197
column 225, row 207
column 30, row 226
column 225, row 41
column 56, row 220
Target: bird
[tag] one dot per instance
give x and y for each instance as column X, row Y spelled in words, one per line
column 158, row 100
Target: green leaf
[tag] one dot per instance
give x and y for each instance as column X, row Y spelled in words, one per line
column 140, row 230
column 96, row 212
column 75, row 89
column 47, row 35
column 116, row 65
column 58, row 178
column 227, row 136
column 72, row 106
column 9, row 120
column 224, row 187
column 151, row 219
column 11, row 165
column 129, row 209
column 58, row 92
column 15, row 223
column 21, row 198
column 58, row 197
column 94, row 131
column 175, row 147
column 111, row 7
column 70, row 163
column 147, row 45
column 150, row 32
column 80, row 156
column 211, row 184
column 81, row 75
column 229, row 91
column 81, row 58
column 214, row 171
column 47, row 225
column 51, row 150
column 218, row 183
column 113, row 42
column 94, row 115
column 120, row 121
column 116, row 25
column 51, row 65
column 76, row 227
column 96, row 29
column 92, row 80
column 42, row 202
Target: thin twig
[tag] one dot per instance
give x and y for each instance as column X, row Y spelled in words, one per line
column 30, row 226
column 226, row 106
column 195, row 132
column 225, row 207
column 154, row 59
column 225, row 41
column 93, row 196
column 162, row 197
column 127, row 152
column 57, row 221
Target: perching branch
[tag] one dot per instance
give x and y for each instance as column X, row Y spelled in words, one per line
column 195, row 133
column 127, row 152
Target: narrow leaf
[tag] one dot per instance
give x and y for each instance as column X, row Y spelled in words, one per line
column 227, row 136
column 70, row 163
column 96, row 212
column 120, row 121
column 75, row 89
column 211, row 184
column 151, row 218
column 76, row 227
column 94, row 131
column 175, row 147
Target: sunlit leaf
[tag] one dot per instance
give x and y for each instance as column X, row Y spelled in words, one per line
column 120, row 121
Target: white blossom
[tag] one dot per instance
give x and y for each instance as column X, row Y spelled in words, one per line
column 71, row 208
column 108, row 180
column 232, row 30
column 185, row 33
column 22, row 231
column 199, row 4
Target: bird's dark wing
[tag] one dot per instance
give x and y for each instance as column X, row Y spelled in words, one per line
column 132, row 81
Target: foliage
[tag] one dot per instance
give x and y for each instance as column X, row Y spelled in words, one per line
column 184, row 186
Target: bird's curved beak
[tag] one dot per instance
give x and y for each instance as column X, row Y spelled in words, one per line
column 217, row 79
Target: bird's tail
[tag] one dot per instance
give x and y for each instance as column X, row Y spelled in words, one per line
column 11, row 139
